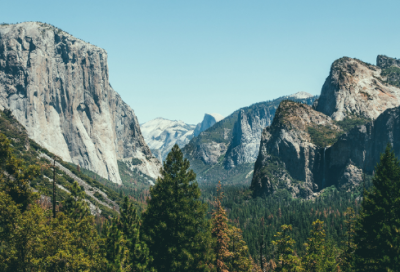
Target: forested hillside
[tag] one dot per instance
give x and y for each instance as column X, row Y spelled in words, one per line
column 336, row 232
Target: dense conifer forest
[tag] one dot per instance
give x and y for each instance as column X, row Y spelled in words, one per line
column 182, row 227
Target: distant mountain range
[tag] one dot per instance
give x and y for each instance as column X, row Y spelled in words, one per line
column 227, row 150
column 162, row 134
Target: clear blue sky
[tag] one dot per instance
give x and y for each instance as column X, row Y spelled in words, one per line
column 180, row 59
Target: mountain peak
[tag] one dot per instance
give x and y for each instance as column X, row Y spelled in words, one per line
column 301, row 95
column 356, row 88
column 208, row 121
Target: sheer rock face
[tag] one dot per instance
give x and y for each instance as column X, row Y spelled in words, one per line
column 237, row 137
column 355, row 88
column 246, row 136
column 359, row 150
column 292, row 154
column 287, row 153
column 57, row 87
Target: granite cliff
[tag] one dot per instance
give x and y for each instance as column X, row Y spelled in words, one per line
column 57, row 86
column 227, row 151
column 356, row 88
column 308, row 149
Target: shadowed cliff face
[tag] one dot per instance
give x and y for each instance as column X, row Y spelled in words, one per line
column 360, row 149
column 305, row 151
column 231, row 146
column 57, row 87
column 290, row 157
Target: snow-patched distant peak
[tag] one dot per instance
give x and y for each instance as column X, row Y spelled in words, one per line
column 301, row 95
column 162, row 134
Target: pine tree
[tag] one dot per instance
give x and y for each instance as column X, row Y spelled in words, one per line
column 16, row 177
column 220, row 233
column 239, row 252
column 74, row 206
column 115, row 248
column 286, row 259
column 346, row 257
column 174, row 225
column 378, row 226
column 129, row 224
column 318, row 257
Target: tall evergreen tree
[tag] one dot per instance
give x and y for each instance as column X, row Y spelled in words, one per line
column 239, row 260
column 378, row 227
column 318, row 255
column 129, row 224
column 220, row 233
column 115, row 248
column 346, row 257
column 174, row 225
column 286, row 258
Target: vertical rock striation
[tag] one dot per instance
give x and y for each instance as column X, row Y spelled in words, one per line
column 305, row 151
column 57, row 86
column 290, row 152
column 230, row 147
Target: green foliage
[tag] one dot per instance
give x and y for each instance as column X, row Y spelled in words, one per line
column 239, row 259
column 393, row 75
column 174, row 224
column 138, row 252
column 115, row 248
column 220, row 233
column 279, row 209
column 31, row 240
column 75, row 206
column 378, row 226
column 346, row 258
column 323, row 136
column 318, row 255
column 286, row 258
column 136, row 161
column 348, row 123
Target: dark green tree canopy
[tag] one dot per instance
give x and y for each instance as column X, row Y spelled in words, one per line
column 378, row 227
column 174, row 224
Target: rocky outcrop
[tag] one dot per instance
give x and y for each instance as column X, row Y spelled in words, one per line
column 359, row 150
column 162, row 134
column 57, row 86
column 235, row 140
column 208, row 121
column 305, row 151
column 385, row 62
column 247, row 131
column 289, row 155
column 355, row 88
column 390, row 69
